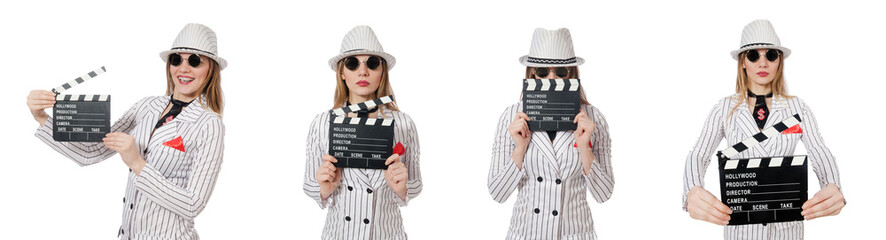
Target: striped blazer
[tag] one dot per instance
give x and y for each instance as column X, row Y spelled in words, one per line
column 739, row 126
column 552, row 202
column 174, row 186
column 363, row 206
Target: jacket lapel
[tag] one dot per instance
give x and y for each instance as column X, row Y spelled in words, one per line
column 156, row 107
column 563, row 146
column 541, row 141
column 777, row 114
column 746, row 125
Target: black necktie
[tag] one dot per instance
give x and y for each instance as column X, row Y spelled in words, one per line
column 761, row 112
column 176, row 109
column 552, row 135
column 363, row 113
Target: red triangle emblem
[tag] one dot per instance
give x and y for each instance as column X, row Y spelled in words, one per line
column 176, row 143
column 794, row 129
column 399, row 149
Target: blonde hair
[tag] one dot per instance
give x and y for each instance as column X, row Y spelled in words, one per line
column 573, row 73
column 211, row 89
column 741, row 82
column 342, row 92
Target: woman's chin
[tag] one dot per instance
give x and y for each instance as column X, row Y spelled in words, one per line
column 762, row 82
column 366, row 93
column 185, row 91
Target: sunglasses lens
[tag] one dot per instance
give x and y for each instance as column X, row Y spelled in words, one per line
column 541, row 72
column 562, row 72
column 175, row 59
column 352, row 63
column 772, row 55
column 373, row 62
column 194, row 60
column 753, row 55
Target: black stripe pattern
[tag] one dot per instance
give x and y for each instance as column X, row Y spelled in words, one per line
column 571, row 85
column 551, row 61
column 363, row 106
column 758, row 138
column 78, row 80
column 363, row 121
column 84, row 97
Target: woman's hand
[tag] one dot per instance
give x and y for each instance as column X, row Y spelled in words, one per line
column 582, row 135
column 702, row 205
column 519, row 131
column 827, row 202
column 396, row 175
column 38, row 100
column 328, row 176
column 124, row 144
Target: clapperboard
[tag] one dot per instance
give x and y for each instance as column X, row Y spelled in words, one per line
column 551, row 104
column 81, row 117
column 361, row 142
column 763, row 190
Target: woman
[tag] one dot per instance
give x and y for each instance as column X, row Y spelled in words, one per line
column 363, row 203
column 173, row 145
column 553, row 170
column 761, row 81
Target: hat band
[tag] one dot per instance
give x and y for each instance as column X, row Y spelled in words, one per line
column 755, row 44
column 193, row 49
column 354, row 50
column 551, row 61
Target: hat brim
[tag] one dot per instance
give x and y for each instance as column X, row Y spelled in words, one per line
column 786, row 51
column 333, row 62
column 221, row 61
column 525, row 61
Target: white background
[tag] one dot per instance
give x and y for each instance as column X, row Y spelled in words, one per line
column 653, row 68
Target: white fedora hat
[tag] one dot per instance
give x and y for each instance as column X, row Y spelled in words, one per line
column 196, row 39
column 551, row 48
column 759, row 34
column 361, row 41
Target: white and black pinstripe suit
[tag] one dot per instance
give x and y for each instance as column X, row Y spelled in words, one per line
column 739, row 126
column 363, row 206
column 174, row 186
column 552, row 202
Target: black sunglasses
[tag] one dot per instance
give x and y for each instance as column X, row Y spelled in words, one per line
column 352, row 63
column 771, row 55
column 175, row 59
column 561, row 72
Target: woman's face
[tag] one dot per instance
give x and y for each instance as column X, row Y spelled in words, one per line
column 189, row 80
column 761, row 72
column 362, row 81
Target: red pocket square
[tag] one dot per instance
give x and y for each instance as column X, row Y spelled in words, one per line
column 399, row 149
column 792, row 130
column 589, row 145
column 176, row 143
